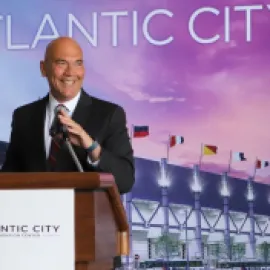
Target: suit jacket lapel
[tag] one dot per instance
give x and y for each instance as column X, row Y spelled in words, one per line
column 80, row 114
column 90, row 117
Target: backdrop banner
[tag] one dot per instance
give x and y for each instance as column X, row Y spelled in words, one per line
column 193, row 78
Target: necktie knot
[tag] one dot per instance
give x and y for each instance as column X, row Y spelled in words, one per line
column 60, row 107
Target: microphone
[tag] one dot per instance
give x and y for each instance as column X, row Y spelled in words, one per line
column 57, row 127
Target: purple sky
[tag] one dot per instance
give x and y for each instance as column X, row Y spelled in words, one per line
column 209, row 93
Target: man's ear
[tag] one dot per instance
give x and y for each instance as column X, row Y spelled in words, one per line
column 43, row 69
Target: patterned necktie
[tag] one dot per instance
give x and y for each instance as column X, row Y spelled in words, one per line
column 57, row 141
column 56, row 145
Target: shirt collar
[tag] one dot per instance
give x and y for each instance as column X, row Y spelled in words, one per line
column 71, row 104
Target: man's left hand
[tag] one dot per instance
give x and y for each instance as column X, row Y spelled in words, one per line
column 77, row 134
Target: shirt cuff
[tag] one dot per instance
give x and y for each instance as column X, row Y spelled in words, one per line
column 93, row 163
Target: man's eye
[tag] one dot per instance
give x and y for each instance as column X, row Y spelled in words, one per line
column 79, row 63
column 60, row 62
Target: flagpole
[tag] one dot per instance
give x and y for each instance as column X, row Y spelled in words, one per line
column 201, row 156
column 255, row 169
column 230, row 161
column 168, row 148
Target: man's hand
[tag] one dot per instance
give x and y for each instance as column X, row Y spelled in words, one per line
column 77, row 135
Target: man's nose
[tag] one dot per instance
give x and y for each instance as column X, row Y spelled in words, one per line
column 68, row 70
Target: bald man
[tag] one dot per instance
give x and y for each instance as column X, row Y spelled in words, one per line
column 96, row 128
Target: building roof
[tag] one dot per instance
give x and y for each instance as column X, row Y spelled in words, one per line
column 146, row 188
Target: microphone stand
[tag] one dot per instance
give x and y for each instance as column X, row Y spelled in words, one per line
column 71, row 150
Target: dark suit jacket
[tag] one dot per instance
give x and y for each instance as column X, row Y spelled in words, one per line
column 104, row 122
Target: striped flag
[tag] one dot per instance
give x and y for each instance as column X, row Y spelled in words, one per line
column 261, row 164
column 238, row 156
column 176, row 139
column 140, row 131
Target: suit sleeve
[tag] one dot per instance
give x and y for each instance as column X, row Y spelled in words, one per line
column 117, row 153
column 11, row 163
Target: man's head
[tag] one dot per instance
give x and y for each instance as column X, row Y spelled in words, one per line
column 63, row 67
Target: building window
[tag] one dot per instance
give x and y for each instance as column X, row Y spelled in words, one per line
column 238, row 251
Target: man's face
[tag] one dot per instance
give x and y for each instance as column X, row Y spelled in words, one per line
column 64, row 70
